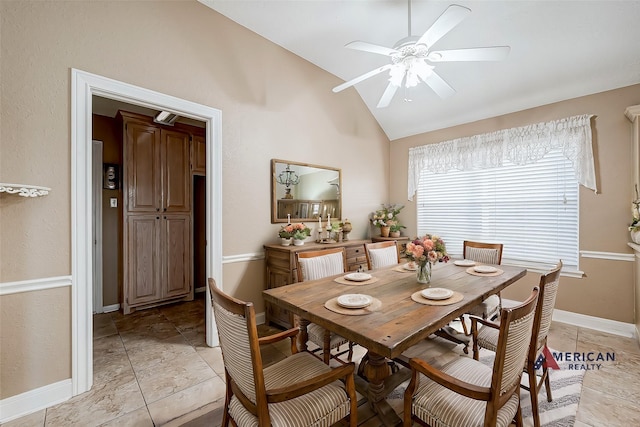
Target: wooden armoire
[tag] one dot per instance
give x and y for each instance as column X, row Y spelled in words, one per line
column 157, row 213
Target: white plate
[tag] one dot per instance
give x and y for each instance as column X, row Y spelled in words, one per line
column 408, row 266
column 354, row 300
column 358, row 277
column 465, row 262
column 485, row 269
column 437, row 293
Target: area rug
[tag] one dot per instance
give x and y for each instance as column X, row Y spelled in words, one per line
column 566, row 385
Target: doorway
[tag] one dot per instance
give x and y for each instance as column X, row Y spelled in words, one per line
column 83, row 86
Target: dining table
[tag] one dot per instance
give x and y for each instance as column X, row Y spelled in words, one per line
column 397, row 317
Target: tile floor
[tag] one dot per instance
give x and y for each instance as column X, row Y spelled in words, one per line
column 153, row 368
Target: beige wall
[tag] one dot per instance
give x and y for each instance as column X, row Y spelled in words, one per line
column 274, row 105
column 606, row 291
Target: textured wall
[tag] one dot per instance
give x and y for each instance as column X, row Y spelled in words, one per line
column 607, row 289
column 274, row 105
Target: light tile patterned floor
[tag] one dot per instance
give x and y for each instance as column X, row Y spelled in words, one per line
column 153, row 368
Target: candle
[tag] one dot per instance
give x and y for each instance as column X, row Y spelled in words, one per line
column 319, row 223
column 288, row 218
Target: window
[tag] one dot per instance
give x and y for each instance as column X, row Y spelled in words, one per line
column 532, row 209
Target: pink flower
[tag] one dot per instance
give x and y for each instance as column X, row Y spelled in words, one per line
column 433, row 256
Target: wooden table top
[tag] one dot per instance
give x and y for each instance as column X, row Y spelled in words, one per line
column 401, row 322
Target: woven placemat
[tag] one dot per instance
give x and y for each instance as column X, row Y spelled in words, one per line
column 344, row 281
column 401, row 269
column 471, row 270
column 417, row 297
column 333, row 305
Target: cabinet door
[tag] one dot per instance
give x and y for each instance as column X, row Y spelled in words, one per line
column 143, row 259
column 199, row 154
column 176, row 175
column 176, row 231
column 142, row 165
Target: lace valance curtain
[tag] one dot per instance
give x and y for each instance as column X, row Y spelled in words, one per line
column 521, row 146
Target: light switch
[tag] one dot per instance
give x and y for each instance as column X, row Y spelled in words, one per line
column 114, row 202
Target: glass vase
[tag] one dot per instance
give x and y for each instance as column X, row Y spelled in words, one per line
column 423, row 273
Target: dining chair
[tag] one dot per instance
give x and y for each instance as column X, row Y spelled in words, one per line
column 312, row 265
column 488, row 338
column 485, row 253
column 465, row 392
column 381, row 254
column 297, row 391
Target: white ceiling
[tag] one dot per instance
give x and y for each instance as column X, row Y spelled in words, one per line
column 559, row 50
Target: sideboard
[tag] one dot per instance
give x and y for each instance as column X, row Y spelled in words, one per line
column 281, row 270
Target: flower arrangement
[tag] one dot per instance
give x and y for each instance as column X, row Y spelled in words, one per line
column 635, row 215
column 394, row 225
column 388, row 213
column 427, row 249
column 298, row 231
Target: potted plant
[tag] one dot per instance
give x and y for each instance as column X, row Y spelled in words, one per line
column 300, row 233
column 285, row 234
column 394, row 228
column 634, row 227
column 383, row 217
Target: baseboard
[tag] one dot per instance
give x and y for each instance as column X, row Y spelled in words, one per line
column 590, row 322
column 35, row 400
column 260, row 318
column 111, row 308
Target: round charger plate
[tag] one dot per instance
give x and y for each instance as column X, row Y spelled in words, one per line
column 358, row 277
column 484, row 269
column 354, row 300
column 437, row 293
column 465, row 262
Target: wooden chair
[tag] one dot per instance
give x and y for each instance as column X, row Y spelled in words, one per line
column 486, row 253
column 488, row 338
column 465, row 392
column 297, row 391
column 314, row 265
column 381, row 254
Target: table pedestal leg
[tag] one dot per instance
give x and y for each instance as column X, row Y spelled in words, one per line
column 376, row 371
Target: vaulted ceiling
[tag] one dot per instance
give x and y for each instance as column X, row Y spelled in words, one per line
column 559, row 50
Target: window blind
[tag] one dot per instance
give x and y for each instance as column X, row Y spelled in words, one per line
column 532, row 209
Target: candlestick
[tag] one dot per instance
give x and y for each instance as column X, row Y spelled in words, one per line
column 288, row 218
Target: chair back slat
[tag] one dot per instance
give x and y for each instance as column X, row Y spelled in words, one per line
column 319, row 264
column 382, row 254
column 549, row 284
column 239, row 355
column 486, row 253
column 516, row 325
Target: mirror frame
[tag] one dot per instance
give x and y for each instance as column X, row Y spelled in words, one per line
column 274, row 200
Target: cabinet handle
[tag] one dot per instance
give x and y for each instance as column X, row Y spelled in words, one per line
column 157, row 209
column 165, row 209
column 157, row 217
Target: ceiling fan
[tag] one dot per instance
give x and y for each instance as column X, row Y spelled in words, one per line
column 412, row 57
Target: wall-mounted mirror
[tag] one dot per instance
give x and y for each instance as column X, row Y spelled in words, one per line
column 304, row 192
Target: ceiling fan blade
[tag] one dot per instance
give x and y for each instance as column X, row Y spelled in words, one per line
column 387, row 96
column 451, row 17
column 495, row 53
column 439, row 86
column 369, row 47
column 361, row 78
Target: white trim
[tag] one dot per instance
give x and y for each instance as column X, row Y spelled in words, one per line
column 110, row 308
column 8, row 288
column 590, row 322
column 230, row 259
column 34, row 400
column 83, row 86
column 614, row 256
column 96, row 224
column 260, row 318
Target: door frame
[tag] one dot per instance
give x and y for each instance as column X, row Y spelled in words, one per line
column 83, row 86
column 97, row 153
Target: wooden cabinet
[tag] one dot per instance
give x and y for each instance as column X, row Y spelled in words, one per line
column 157, row 213
column 281, row 270
column 199, row 154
